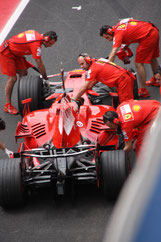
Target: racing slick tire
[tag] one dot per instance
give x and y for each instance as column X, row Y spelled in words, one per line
column 114, row 170
column 12, row 192
column 30, row 87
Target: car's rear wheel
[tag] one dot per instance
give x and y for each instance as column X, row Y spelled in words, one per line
column 114, row 170
column 12, row 192
column 30, row 87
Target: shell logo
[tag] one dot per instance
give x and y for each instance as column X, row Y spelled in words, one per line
column 133, row 23
column 20, row 35
column 136, row 108
column 127, row 116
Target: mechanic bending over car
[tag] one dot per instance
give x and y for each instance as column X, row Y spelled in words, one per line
column 12, row 59
column 135, row 118
column 2, row 147
column 146, row 34
column 110, row 74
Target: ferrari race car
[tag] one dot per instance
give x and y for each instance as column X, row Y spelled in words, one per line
column 63, row 143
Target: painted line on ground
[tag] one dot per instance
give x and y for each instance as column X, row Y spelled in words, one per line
column 13, row 20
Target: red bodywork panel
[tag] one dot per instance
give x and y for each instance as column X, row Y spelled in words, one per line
column 61, row 126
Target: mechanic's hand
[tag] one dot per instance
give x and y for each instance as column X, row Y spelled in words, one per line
column 8, row 152
column 78, row 104
column 81, row 101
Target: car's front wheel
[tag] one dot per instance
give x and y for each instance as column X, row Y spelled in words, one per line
column 30, row 87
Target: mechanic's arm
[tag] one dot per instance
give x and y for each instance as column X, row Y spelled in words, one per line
column 87, row 85
column 41, row 68
column 113, row 54
column 128, row 145
column 8, row 152
column 2, row 147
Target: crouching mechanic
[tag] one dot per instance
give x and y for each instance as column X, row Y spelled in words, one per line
column 110, row 74
column 2, row 147
column 146, row 34
column 135, row 119
column 12, row 59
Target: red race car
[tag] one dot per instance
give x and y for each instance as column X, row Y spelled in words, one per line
column 62, row 145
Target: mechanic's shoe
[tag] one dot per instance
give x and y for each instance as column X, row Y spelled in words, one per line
column 143, row 92
column 153, row 82
column 8, row 108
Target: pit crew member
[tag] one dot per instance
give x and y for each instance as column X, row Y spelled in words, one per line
column 110, row 74
column 12, row 59
column 146, row 34
column 135, row 118
column 2, row 147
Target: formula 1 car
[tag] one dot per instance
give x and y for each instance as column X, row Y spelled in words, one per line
column 65, row 143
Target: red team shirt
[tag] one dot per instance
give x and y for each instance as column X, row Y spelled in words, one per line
column 130, row 31
column 105, row 72
column 112, row 75
column 26, row 43
column 137, row 114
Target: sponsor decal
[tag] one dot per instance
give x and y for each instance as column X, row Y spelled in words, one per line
column 136, row 108
column 79, row 124
column 125, row 109
column 123, row 23
column 126, row 113
column 20, row 35
column 133, row 23
column 127, row 116
column 30, row 35
column 122, row 26
column 125, row 20
column 38, row 51
column 29, row 32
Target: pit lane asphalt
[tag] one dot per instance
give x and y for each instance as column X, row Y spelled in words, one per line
column 41, row 219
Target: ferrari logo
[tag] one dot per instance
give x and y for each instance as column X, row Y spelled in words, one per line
column 127, row 116
column 136, row 108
